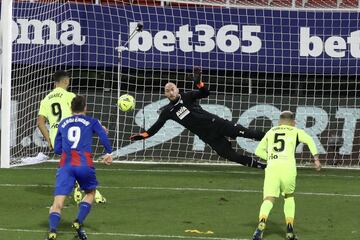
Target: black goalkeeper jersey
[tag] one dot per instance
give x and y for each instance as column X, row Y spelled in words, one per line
column 187, row 111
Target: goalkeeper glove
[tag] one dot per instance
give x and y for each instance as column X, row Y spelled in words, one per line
column 139, row 136
column 196, row 77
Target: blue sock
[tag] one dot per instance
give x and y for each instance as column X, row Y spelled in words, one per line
column 54, row 220
column 84, row 209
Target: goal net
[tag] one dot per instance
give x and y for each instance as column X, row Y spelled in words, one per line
column 256, row 61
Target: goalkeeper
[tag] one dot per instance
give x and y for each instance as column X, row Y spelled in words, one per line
column 53, row 108
column 278, row 148
column 213, row 130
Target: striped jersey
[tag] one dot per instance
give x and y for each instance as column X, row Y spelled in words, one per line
column 74, row 139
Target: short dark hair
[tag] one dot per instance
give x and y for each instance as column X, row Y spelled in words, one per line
column 59, row 75
column 78, row 104
column 287, row 115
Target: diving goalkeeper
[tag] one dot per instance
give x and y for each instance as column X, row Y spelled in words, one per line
column 184, row 109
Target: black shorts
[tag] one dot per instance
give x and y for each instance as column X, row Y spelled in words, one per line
column 221, row 145
column 233, row 130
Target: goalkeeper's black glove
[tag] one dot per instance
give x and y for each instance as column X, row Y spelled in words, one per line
column 139, row 136
column 196, row 77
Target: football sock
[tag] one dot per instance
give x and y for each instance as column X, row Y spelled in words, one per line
column 265, row 209
column 84, row 209
column 54, row 220
column 289, row 210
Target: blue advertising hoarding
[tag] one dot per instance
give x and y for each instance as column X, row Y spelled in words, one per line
column 255, row 40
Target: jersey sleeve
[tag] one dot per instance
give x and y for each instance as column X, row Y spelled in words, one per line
column 202, row 92
column 104, row 140
column 43, row 111
column 159, row 123
column 308, row 140
column 261, row 149
column 58, row 143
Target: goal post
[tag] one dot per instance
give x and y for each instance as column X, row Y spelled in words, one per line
column 6, row 60
column 257, row 61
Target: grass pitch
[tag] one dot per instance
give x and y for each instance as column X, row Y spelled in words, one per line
column 161, row 202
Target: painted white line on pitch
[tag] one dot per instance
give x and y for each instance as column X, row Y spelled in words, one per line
column 187, row 189
column 125, row 234
column 197, row 171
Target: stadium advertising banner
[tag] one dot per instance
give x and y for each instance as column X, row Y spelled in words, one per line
column 328, row 124
column 256, row 40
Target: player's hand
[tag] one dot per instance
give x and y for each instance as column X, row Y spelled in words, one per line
column 317, row 165
column 50, row 146
column 197, row 76
column 107, row 159
column 139, row 136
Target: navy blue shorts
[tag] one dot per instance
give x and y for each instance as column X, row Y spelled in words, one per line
column 66, row 177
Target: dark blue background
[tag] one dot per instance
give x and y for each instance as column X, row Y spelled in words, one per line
column 279, row 34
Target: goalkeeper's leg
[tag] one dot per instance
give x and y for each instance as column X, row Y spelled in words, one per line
column 223, row 147
column 232, row 130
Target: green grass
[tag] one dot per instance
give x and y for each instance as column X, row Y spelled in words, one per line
column 162, row 201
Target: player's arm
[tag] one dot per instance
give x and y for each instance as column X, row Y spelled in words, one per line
column 153, row 129
column 309, row 141
column 104, row 140
column 202, row 91
column 41, row 123
column 58, row 143
column 261, row 149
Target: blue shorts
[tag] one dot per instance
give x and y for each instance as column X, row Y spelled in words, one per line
column 66, row 177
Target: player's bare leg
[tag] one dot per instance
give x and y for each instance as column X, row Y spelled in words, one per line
column 84, row 209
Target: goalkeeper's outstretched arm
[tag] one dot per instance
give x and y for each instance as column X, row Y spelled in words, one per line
column 152, row 130
column 202, row 91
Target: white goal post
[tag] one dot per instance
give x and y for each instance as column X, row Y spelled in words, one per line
column 257, row 61
column 6, row 60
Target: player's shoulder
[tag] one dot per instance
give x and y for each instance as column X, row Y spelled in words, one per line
column 164, row 109
column 90, row 119
column 48, row 95
column 65, row 121
column 66, row 93
column 186, row 95
column 70, row 94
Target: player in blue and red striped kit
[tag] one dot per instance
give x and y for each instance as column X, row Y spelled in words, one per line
column 73, row 141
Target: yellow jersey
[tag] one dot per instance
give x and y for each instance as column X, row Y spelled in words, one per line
column 55, row 107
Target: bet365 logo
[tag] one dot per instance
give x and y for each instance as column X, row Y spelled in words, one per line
column 200, row 38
